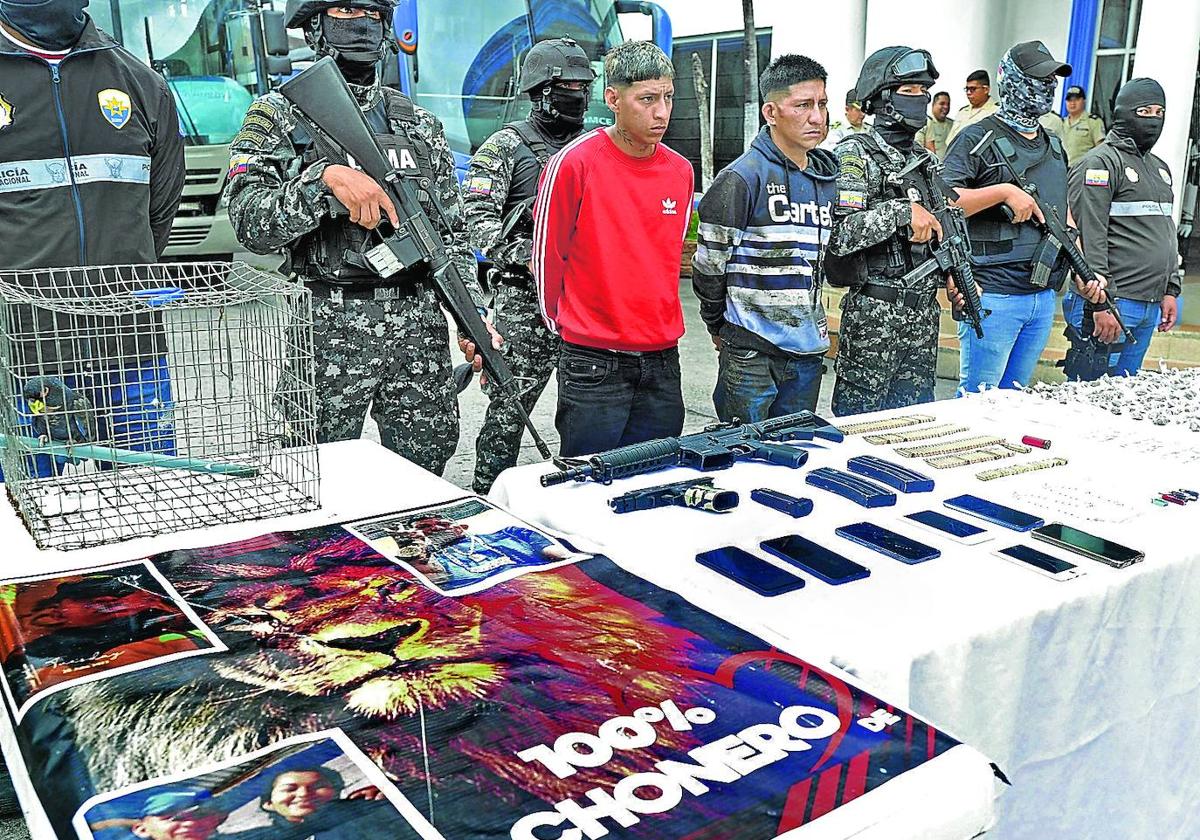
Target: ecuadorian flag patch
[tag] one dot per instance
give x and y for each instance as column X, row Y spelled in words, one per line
column 852, row 199
column 1095, row 177
column 238, row 165
column 479, row 186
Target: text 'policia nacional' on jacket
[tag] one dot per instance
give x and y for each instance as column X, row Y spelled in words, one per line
column 763, row 224
column 114, row 120
column 1123, row 204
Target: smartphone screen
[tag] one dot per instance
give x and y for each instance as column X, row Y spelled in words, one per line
column 995, row 513
column 817, row 560
column 1045, row 563
column 948, row 526
column 752, row 572
column 888, row 543
column 1088, row 545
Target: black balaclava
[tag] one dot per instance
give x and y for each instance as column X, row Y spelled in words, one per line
column 899, row 116
column 1143, row 131
column 559, row 111
column 49, row 24
column 357, row 44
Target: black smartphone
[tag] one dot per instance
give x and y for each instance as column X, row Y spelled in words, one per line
column 996, row 514
column 888, row 543
column 1040, row 561
column 1095, row 548
column 948, row 526
column 754, row 573
column 815, row 559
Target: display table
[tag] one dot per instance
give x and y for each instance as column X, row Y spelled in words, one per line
column 948, row 796
column 1084, row 691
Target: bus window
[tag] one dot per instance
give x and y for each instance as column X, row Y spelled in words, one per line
column 467, row 63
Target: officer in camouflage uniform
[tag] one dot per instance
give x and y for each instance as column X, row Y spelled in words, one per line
column 498, row 195
column 887, row 340
column 379, row 343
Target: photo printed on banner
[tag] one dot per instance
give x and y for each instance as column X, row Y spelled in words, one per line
column 311, row 786
column 64, row 629
column 463, row 546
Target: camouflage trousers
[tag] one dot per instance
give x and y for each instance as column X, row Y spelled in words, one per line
column 393, row 355
column 531, row 350
column 887, row 355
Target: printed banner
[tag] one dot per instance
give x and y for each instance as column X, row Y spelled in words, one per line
column 574, row 699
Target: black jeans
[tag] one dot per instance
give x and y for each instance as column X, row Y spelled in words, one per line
column 608, row 399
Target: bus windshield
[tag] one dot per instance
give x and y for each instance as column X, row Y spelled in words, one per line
column 469, row 57
column 191, row 42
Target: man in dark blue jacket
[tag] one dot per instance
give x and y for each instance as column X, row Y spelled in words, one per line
column 91, row 172
column 764, row 225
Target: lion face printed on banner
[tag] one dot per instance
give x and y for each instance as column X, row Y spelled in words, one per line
column 338, row 636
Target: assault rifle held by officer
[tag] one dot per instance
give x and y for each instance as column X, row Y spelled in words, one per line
column 952, row 255
column 716, row 448
column 322, row 97
column 1058, row 240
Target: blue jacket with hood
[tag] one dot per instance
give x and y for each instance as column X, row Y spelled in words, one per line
column 764, row 226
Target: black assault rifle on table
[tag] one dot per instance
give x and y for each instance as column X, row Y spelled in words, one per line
column 1056, row 236
column 952, row 254
column 330, row 110
column 716, row 448
column 696, row 493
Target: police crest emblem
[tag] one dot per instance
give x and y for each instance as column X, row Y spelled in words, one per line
column 115, row 106
column 6, row 113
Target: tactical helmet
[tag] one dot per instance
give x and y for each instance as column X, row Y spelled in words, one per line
column 300, row 12
column 557, row 59
column 891, row 67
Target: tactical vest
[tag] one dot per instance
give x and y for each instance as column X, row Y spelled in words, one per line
column 333, row 251
column 994, row 239
column 897, row 255
column 517, row 215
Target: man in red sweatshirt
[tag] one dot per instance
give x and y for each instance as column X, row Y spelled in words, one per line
column 612, row 211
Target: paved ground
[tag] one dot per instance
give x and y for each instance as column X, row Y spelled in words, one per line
column 699, row 364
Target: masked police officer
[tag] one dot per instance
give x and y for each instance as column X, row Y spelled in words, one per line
column 499, row 190
column 377, row 342
column 887, row 340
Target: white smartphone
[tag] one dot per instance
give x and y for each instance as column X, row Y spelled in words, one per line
column 1040, row 562
column 966, row 533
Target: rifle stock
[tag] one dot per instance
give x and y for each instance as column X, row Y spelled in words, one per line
column 322, row 96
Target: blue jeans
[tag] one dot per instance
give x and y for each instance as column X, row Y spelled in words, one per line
column 753, row 386
column 1014, row 336
column 608, row 399
column 1142, row 317
column 132, row 408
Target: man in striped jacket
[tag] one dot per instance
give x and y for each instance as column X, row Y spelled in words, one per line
column 764, row 224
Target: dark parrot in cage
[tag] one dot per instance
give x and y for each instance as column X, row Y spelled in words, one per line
column 60, row 413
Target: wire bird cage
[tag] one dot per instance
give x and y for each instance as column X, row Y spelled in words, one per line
column 145, row 399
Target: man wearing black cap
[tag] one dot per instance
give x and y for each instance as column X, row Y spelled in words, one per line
column 1080, row 132
column 1019, row 269
column 1121, row 196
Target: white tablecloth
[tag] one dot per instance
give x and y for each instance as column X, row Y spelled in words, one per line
column 948, row 797
column 1086, row 692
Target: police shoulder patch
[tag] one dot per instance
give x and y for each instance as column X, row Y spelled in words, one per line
column 6, row 113
column 852, row 199
column 238, row 165
column 1164, row 174
column 1095, row 177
